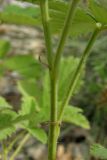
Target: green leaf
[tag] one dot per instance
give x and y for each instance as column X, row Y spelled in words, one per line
column 41, row 94
column 4, row 104
column 39, row 134
column 7, row 127
column 99, row 151
column 29, row 11
column 27, row 87
column 4, row 48
column 26, row 65
column 6, row 118
column 60, row 6
column 75, row 116
column 98, row 10
column 31, row 109
column 20, row 16
column 30, row 87
column 7, row 132
column 29, row 105
column 82, row 23
column 67, row 69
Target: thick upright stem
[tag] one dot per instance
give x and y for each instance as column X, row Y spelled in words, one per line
column 77, row 73
column 52, row 141
column 64, row 35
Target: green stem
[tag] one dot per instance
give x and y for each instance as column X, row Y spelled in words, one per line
column 78, row 71
column 4, row 151
column 65, row 32
column 46, row 27
column 52, row 142
column 9, row 148
column 20, row 147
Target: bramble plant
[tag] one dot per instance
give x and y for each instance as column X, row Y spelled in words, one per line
column 47, row 102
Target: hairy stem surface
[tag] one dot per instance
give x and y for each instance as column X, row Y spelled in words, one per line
column 52, row 140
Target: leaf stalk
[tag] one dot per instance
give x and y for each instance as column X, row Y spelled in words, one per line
column 46, row 27
column 78, row 71
column 18, row 149
column 64, row 35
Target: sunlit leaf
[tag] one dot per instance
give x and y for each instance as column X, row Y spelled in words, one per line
column 38, row 133
column 75, row 116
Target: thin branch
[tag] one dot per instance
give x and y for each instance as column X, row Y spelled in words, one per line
column 78, row 71
column 46, row 28
column 9, row 148
column 18, row 149
column 64, row 35
column 4, row 151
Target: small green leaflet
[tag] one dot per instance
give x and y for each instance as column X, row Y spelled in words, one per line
column 75, row 116
column 30, row 107
column 98, row 10
column 6, row 118
column 99, row 151
column 4, row 104
column 7, row 132
column 38, row 133
column 17, row 15
column 67, row 69
column 28, row 66
column 6, row 123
